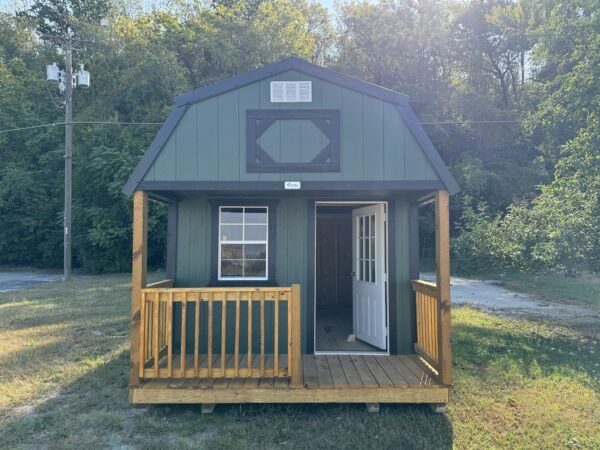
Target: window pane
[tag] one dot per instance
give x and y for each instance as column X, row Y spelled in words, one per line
column 256, row 215
column 373, row 225
column 367, row 248
column 367, row 226
column 360, row 227
column 360, row 269
column 255, row 251
column 231, row 232
column 231, row 215
column 255, row 233
column 231, row 268
column 255, row 268
column 232, row 251
column 373, row 271
column 372, row 248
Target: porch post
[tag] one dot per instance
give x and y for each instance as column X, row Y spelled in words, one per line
column 442, row 259
column 138, row 278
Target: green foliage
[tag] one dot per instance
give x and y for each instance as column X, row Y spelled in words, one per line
column 529, row 177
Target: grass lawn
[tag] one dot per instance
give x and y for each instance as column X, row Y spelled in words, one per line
column 63, row 383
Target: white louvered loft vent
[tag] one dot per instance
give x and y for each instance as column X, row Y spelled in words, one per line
column 291, row 91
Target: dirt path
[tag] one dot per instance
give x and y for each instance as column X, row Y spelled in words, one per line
column 490, row 297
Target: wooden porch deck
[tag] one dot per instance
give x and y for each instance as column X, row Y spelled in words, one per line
column 325, row 379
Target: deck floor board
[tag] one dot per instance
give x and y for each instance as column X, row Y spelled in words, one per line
column 375, row 378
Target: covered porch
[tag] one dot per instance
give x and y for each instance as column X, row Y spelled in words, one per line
column 242, row 344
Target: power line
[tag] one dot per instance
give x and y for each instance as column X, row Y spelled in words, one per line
column 461, row 122
column 448, row 122
column 78, row 123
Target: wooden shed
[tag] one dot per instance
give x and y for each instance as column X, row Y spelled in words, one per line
column 292, row 260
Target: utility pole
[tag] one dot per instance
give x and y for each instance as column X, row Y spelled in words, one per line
column 66, row 85
column 68, row 156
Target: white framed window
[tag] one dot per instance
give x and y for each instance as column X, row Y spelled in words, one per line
column 243, row 243
column 291, row 91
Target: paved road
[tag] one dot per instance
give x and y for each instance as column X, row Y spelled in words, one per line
column 14, row 280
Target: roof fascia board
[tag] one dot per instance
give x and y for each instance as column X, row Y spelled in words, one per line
column 260, row 186
column 151, row 154
column 286, row 64
column 430, row 151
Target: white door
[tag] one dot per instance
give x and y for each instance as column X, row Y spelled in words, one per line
column 368, row 282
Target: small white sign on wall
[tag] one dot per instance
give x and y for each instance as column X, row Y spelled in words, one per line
column 292, row 184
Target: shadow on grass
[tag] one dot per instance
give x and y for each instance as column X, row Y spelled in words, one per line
column 521, row 348
column 93, row 412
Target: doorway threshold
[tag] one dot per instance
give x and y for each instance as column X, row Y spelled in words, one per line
column 351, row 352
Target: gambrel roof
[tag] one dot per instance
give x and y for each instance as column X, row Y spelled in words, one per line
column 183, row 102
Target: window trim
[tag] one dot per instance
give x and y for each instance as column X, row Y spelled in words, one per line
column 242, row 242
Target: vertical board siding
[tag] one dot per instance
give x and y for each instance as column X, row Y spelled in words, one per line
column 209, row 142
column 228, row 136
column 248, row 98
column 404, row 308
column 186, row 147
column 193, row 242
column 394, row 150
column 373, row 138
column 352, row 135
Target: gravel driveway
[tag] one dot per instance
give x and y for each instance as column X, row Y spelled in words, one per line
column 14, row 280
column 489, row 297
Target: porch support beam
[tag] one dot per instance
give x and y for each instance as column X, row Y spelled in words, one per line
column 442, row 259
column 138, row 279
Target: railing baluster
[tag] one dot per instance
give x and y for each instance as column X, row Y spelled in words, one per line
column 289, row 333
column 276, row 337
column 209, row 358
column 262, row 334
column 249, row 333
column 196, row 334
column 183, row 333
column 236, row 353
column 170, row 335
column 142, row 335
column 223, row 330
column 155, row 334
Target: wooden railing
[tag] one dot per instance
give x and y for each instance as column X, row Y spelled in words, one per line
column 428, row 312
column 208, row 358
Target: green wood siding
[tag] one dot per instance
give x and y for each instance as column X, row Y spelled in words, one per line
column 209, row 143
column 194, row 258
column 403, row 321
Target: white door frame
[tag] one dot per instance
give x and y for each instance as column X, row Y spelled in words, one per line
column 387, row 285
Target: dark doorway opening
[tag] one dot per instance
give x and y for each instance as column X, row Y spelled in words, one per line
column 333, row 318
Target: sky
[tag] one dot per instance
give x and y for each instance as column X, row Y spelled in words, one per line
column 11, row 5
